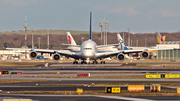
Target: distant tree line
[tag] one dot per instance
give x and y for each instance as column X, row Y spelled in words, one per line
column 18, row 40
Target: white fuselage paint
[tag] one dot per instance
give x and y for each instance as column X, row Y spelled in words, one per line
column 88, row 50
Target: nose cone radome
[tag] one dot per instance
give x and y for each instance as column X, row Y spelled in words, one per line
column 88, row 54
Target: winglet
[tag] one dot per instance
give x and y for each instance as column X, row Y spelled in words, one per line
column 90, row 36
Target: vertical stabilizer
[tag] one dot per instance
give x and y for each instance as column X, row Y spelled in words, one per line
column 159, row 37
column 70, row 39
column 122, row 45
column 90, row 36
column 164, row 37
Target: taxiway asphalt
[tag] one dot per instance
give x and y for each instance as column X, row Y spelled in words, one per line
column 49, row 97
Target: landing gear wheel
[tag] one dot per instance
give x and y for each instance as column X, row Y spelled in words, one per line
column 75, row 62
column 102, row 62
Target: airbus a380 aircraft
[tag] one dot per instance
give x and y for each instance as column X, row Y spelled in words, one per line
column 88, row 51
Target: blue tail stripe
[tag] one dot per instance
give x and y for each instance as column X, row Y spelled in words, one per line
column 123, row 45
column 90, row 25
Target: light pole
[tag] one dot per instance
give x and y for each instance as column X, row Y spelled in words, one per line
column 145, row 42
column 82, row 39
column 123, row 35
column 128, row 36
column 131, row 43
column 101, row 25
column 32, row 38
column 39, row 42
column 137, row 43
column 105, row 25
column 48, row 39
column 25, row 27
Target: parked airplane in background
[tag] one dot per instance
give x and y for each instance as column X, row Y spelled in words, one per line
column 160, row 38
column 149, row 49
column 122, row 45
column 88, row 51
column 75, row 48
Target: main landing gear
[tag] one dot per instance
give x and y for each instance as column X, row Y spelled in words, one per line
column 102, row 62
column 83, row 62
column 95, row 62
column 75, row 62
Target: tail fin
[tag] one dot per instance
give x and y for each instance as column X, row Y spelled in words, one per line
column 164, row 37
column 70, row 39
column 159, row 37
column 122, row 45
column 90, row 36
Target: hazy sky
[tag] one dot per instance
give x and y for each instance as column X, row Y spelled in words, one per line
column 142, row 16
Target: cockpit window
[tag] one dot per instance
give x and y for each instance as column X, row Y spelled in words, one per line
column 87, row 48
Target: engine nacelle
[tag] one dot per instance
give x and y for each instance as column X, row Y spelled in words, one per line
column 56, row 57
column 145, row 54
column 33, row 55
column 120, row 57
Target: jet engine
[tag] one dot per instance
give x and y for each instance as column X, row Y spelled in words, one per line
column 120, row 57
column 145, row 54
column 56, row 57
column 33, row 55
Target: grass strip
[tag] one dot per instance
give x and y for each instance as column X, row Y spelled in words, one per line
column 21, row 81
column 101, row 92
column 113, row 84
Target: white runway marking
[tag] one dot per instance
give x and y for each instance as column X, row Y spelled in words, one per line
column 110, row 97
column 125, row 98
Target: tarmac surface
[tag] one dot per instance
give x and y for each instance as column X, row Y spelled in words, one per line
column 154, row 64
column 49, row 97
column 84, row 68
column 76, row 70
column 94, row 79
column 61, row 88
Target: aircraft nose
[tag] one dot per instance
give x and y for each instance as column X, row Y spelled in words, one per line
column 87, row 54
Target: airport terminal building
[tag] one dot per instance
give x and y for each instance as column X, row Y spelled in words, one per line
column 171, row 54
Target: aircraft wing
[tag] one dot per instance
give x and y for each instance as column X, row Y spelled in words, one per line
column 155, row 49
column 71, row 45
column 50, row 51
column 109, row 54
column 106, row 45
column 25, row 49
column 61, row 52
